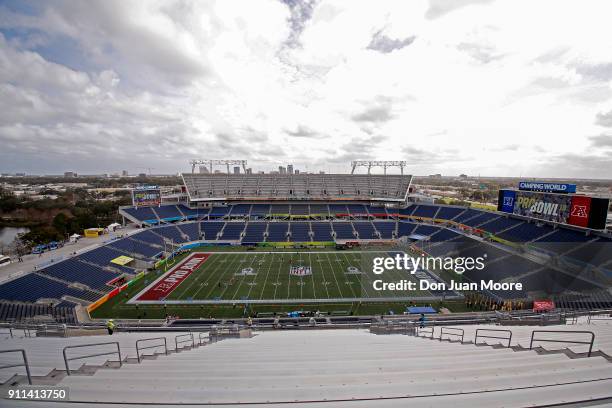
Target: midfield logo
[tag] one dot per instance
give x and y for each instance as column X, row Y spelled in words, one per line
column 579, row 211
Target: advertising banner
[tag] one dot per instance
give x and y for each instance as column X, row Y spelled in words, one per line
column 547, row 187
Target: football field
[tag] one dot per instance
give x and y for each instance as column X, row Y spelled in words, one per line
column 274, row 277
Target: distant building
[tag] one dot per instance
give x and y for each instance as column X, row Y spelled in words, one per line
column 282, row 170
column 438, row 175
column 463, row 176
column 296, row 171
column 70, row 174
column 249, row 171
column 142, row 174
column 290, row 169
column 236, row 170
column 124, row 173
column 321, row 172
column 203, row 169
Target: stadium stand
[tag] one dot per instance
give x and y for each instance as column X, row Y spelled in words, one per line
column 322, row 231
column 277, row 232
column 299, row 231
column 201, row 187
column 232, row 231
column 386, row 229
column 211, row 230
column 344, row 230
column 32, row 287
column 72, row 270
column 336, row 368
column 365, row 229
column 27, row 312
column 254, row 232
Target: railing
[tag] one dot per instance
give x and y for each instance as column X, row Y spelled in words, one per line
column 483, row 336
column 66, row 359
column 425, row 330
column 607, row 315
column 138, row 348
column 189, row 338
column 590, row 343
column 452, row 331
column 206, row 336
column 25, row 362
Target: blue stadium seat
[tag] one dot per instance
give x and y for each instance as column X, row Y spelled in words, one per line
column 31, row 287
column 448, row 213
column 322, row 231
column 299, row 231
column 426, row 211
column 232, row 231
column 254, row 232
column 365, row 230
column 72, row 270
column 405, row 229
column 299, row 209
column 211, row 229
column 344, row 230
column 168, row 212
column 277, row 232
column 386, row 228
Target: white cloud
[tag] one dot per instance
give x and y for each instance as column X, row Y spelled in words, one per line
column 104, row 85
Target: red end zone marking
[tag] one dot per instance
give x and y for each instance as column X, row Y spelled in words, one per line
column 164, row 286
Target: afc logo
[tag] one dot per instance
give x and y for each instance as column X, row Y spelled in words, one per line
column 579, row 211
column 508, row 201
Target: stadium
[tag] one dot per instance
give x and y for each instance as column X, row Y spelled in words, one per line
column 275, row 265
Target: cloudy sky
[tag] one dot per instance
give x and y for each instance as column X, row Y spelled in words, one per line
column 497, row 88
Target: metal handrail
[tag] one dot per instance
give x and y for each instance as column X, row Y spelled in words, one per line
column 25, row 362
column 10, row 331
column 150, row 347
column 509, row 338
column 200, row 338
column 421, row 329
column 590, row 343
column 177, row 341
column 606, row 313
column 450, row 333
column 66, row 359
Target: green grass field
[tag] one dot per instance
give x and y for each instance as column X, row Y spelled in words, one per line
column 334, row 275
column 217, row 289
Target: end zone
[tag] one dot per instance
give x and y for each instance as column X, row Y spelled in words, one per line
column 165, row 284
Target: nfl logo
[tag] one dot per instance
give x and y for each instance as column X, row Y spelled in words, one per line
column 300, row 271
column 508, row 201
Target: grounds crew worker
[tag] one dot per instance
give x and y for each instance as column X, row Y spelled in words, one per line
column 110, row 326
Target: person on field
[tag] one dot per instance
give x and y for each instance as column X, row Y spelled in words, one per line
column 110, row 326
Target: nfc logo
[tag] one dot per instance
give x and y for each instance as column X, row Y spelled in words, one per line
column 579, row 211
column 508, row 201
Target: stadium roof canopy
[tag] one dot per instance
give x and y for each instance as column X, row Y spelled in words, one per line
column 289, row 187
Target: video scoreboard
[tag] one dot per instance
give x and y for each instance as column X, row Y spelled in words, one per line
column 555, row 202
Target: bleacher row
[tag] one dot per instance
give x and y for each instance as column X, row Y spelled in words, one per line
column 16, row 312
column 578, row 245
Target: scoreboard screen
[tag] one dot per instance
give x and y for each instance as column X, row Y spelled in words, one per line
column 579, row 210
column 147, row 196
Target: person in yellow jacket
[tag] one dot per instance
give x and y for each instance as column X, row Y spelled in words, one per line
column 110, row 326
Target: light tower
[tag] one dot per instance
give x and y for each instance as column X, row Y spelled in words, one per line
column 210, row 163
column 378, row 163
